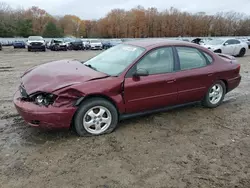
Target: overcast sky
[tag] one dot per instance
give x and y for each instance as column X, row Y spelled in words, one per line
column 94, row 9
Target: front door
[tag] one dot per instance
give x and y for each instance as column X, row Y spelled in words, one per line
column 156, row 90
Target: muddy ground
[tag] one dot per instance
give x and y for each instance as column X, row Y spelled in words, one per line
column 185, row 148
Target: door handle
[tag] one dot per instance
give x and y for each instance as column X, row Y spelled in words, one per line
column 210, row 74
column 171, row 81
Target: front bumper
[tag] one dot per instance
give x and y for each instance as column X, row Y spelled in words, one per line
column 96, row 47
column 44, row 117
column 37, row 47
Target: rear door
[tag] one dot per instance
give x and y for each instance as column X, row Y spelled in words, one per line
column 195, row 74
column 237, row 47
column 156, row 90
column 229, row 47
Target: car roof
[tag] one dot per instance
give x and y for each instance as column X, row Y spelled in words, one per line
column 152, row 43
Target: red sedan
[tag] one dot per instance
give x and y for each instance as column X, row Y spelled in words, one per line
column 130, row 79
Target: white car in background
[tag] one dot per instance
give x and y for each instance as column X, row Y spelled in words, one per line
column 36, row 43
column 229, row 46
column 95, row 44
column 85, row 43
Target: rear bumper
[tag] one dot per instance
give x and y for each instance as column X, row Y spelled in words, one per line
column 233, row 83
column 44, row 117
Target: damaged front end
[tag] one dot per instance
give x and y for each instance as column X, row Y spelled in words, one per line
column 49, row 110
column 62, row 97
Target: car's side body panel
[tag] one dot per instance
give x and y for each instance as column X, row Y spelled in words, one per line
column 150, row 92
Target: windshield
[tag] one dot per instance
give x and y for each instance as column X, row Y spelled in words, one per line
column 215, row 42
column 58, row 41
column 35, row 38
column 115, row 60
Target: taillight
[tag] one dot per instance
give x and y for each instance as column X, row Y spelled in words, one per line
column 237, row 71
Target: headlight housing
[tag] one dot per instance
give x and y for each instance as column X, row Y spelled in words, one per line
column 44, row 99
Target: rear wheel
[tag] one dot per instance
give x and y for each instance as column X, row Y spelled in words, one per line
column 95, row 116
column 215, row 95
column 242, row 52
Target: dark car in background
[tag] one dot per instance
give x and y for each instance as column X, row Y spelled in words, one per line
column 76, row 45
column 131, row 79
column 19, row 44
column 114, row 42
column 56, row 45
column 36, row 43
column 110, row 43
column 106, row 44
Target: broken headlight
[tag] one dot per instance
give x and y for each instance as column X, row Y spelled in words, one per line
column 44, row 99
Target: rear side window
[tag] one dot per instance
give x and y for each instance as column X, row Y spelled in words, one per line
column 236, row 42
column 209, row 58
column 190, row 58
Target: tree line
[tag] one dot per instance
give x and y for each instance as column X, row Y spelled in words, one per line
column 119, row 23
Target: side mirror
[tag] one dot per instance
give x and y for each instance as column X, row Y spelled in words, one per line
column 141, row 72
column 225, row 44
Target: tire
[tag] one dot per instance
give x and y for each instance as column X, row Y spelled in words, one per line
column 242, row 52
column 98, row 126
column 29, row 49
column 218, row 51
column 208, row 99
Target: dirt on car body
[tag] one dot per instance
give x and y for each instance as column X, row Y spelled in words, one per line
column 186, row 147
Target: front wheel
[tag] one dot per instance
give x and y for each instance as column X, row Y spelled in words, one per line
column 94, row 117
column 215, row 95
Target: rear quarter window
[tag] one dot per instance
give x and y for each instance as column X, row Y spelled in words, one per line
column 209, row 58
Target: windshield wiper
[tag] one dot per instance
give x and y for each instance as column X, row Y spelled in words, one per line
column 90, row 66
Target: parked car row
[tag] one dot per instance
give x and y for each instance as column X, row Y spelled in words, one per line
column 35, row 43
column 235, row 46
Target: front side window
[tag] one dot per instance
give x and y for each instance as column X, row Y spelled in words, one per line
column 230, row 42
column 158, row 61
column 116, row 59
column 190, row 58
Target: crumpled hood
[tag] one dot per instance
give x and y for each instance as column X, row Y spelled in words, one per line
column 55, row 75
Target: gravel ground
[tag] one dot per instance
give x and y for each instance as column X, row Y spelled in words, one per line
column 185, row 148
